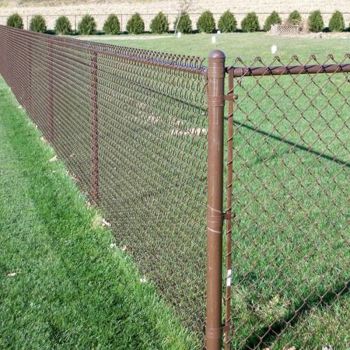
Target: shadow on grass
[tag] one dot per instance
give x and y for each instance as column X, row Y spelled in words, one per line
column 294, row 144
column 269, row 334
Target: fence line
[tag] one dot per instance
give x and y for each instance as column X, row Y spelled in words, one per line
column 131, row 127
column 143, row 135
column 288, row 159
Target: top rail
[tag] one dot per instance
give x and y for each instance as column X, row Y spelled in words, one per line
column 192, row 64
column 288, row 70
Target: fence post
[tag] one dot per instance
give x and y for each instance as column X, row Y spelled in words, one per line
column 229, row 184
column 51, row 132
column 94, row 186
column 216, row 104
column 30, row 79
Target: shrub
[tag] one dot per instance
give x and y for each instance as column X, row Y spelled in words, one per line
column 160, row 24
column 15, row 21
column 112, row 25
column 183, row 23
column 315, row 22
column 273, row 19
column 87, row 25
column 206, row 22
column 227, row 22
column 337, row 23
column 63, row 25
column 250, row 23
column 294, row 18
column 38, row 24
column 135, row 25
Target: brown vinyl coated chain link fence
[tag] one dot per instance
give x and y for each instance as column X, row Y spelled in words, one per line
column 289, row 172
column 259, row 155
column 131, row 127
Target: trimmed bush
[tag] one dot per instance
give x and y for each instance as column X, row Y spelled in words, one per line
column 206, row 22
column 227, row 22
column 112, row 25
column 250, row 23
column 183, row 23
column 63, row 25
column 160, row 24
column 38, row 24
column 337, row 23
column 294, row 18
column 273, row 19
column 15, row 21
column 87, row 25
column 315, row 22
column 135, row 24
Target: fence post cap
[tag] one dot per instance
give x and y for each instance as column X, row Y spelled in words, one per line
column 217, row 54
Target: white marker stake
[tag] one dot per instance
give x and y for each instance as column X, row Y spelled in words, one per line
column 213, row 39
column 228, row 278
column 179, row 35
column 273, row 49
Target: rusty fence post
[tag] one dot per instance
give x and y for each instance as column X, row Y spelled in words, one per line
column 94, row 186
column 216, row 104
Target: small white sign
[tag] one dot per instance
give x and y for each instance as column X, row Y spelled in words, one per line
column 228, row 278
column 274, row 49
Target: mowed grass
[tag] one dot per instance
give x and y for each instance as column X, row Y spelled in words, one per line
column 291, row 197
column 248, row 46
column 63, row 283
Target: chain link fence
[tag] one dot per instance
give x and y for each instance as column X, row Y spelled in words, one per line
column 136, row 130
column 290, row 202
column 131, row 127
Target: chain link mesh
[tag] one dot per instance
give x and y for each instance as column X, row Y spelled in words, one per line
column 290, row 203
column 131, row 127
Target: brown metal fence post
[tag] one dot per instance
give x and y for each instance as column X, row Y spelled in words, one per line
column 94, row 189
column 30, row 78
column 229, row 184
column 51, row 95
column 216, row 104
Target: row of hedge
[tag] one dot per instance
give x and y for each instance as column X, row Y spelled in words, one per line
column 160, row 24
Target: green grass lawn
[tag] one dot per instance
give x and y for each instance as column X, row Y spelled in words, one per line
column 248, row 46
column 291, row 196
column 63, row 282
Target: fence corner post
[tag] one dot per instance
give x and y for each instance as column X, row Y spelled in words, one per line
column 216, row 105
